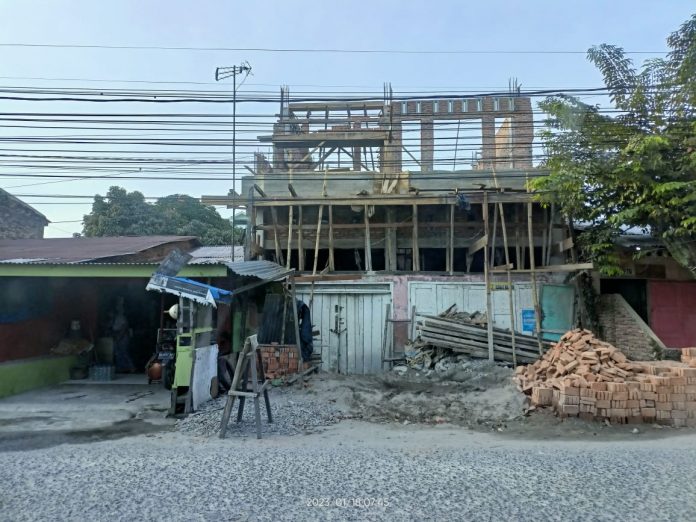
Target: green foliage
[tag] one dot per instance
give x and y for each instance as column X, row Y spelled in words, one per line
column 122, row 213
column 636, row 168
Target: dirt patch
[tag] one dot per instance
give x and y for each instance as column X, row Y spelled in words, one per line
column 37, row 439
column 474, row 394
column 458, row 395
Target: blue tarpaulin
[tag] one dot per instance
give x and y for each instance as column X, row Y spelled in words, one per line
column 190, row 289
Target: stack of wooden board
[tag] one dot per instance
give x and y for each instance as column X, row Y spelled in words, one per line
column 472, row 339
column 584, row 376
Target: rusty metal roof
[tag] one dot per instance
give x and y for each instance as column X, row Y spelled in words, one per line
column 266, row 270
column 81, row 249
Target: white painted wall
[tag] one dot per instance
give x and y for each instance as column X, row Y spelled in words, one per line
column 432, row 298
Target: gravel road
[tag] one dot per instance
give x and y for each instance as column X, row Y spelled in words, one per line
column 293, row 412
column 421, row 472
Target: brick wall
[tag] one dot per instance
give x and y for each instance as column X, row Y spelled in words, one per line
column 279, row 360
column 623, row 327
column 19, row 221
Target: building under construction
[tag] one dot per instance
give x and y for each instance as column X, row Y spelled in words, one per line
column 423, row 203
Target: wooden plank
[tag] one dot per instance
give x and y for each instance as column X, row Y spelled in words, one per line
column 289, row 249
column 316, row 243
column 479, row 243
column 486, row 275
column 378, row 199
column 390, row 240
column 479, row 349
column 493, row 235
column 552, row 268
column 332, row 263
column 296, row 320
column 511, row 301
column 415, row 254
column 566, row 244
column 535, row 292
column 384, row 333
column 276, row 238
column 412, row 157
column 474, row 327
column 552, row 213
column 519, row 263
column 368, row 242
column 450, row 244
column 501, row 336
column 413, row 323
column 239, row 370
column 543, row 236
column 427, row 334
column 300, row 242
column 328, row 277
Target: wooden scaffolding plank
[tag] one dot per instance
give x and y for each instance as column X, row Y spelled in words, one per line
column 450, row 243
column 486, row 276
column 332, row 264
column 532, row 269
column 368, row 242
column 316, row 242
column 289, row 249
column 415, row 249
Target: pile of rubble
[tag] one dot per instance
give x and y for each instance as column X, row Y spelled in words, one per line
column 584, row 376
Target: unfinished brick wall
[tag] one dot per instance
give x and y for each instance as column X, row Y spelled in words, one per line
column 279, row 360
column 623, row 327
column 19, row 221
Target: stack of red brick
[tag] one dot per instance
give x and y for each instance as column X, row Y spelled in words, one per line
column 583, row 376
column 279, row 360
column 688, row 357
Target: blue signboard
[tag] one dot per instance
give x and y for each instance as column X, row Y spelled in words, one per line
column 528, row 320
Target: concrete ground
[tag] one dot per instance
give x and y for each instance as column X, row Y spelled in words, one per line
column 64, row 456
column 82, row 411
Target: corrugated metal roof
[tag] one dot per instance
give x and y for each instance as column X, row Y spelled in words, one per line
column 266, row 270
column 216, row 254
column 79, row 250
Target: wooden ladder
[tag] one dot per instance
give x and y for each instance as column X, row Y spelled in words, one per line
column 248, row 370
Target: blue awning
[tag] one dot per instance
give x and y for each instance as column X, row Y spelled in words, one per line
column 189, row 289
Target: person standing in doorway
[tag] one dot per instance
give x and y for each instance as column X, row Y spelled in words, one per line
column 121, row 333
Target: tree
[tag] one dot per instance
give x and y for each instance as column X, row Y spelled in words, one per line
column 636, row 167
column 122, row 213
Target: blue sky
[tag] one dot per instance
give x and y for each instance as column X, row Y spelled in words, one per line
column 378, row 24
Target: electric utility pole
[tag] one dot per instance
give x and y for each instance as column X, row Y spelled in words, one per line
column 222, row 73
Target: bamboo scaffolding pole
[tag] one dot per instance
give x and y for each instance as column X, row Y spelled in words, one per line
column 532, row 268
column 486, row 275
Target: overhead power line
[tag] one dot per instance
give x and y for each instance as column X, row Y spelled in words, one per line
column 306, row 50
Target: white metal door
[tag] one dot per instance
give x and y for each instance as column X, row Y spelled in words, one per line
column 432, row 298
column 350, row 319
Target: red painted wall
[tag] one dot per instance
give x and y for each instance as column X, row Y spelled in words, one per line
column 35, row 337
column 672, row 309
